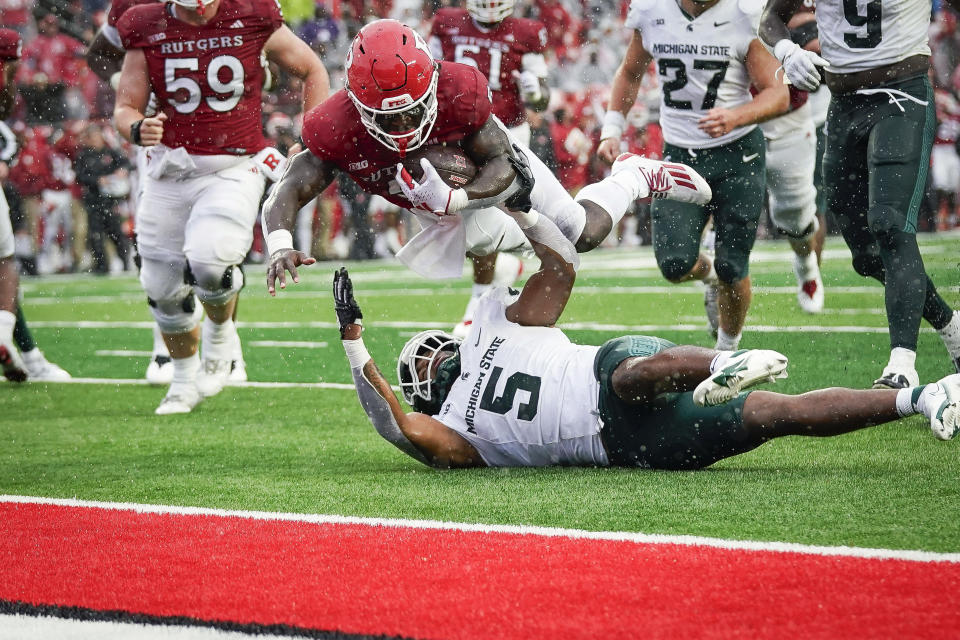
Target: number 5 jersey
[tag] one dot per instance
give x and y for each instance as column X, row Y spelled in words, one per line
column 526, row 396
column 207, row 78
column 699, row 61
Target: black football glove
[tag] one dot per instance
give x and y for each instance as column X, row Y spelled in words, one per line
column 520, row 200
column 348, row 311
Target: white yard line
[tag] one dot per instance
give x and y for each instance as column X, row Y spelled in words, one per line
column 546, row 532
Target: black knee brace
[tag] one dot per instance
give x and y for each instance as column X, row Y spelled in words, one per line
column 728, row 271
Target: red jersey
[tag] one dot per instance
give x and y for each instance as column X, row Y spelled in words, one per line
column 119, row 7
column 948, row 117
column 496, row 52
column 332, row 130
column 208, row 78
column 10, row 44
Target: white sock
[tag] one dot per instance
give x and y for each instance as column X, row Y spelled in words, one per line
column 711, row 276
column 902, row 359
column 237, row 350
column 475, row 295
column 185, row 370
column 911, row 401
column 806, row 266
column 159, row 346
column 727, row 342
column 218, row 339
column 615, row 193
column 7, row 321
column 950, row 335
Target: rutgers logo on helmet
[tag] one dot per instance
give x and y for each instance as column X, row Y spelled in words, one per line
column 392, row 81
column 490, row 11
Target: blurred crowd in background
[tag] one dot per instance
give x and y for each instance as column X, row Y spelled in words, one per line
column 72, row 186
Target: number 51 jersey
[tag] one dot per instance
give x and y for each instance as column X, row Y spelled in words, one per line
column 700, row 62
column 526, row 396
column 207, row 78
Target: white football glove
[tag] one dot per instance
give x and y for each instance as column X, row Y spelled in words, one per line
column 431, row 193
column 799, row 65
column 529, row 85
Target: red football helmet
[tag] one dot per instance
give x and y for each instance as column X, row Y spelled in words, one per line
column 392, row 80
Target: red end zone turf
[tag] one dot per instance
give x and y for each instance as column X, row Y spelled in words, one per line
column 434, row 583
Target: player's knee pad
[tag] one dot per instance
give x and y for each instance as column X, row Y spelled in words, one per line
column 800, row 224
column 171, row 299
column 675, row 267
column 884, row 220
column 213, row 283
column 490, row 230
column 868, row 265
column 730, row 270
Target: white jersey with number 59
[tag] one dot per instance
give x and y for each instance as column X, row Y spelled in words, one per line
column 700, row 62
column 526, row 396
column 856, row 35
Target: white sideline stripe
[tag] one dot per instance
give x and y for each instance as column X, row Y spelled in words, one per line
column 248, row 384
column 123, row 353
column 572, row 326
column 547, row 532
column 288, row 343
column 461, row 289
column 23, row 627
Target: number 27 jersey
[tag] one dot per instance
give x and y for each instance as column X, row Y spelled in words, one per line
column 208, row 79
column 700, row 63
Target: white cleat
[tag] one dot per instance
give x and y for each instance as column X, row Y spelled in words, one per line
column 39, row 369
column 213, row 377
column 809, row 291
column 744, row 369
column 160, row 370
column 180, row 398
column 238, row 371
column 669, row 180
column 12, row 364
column 943, row 403
column 892, row 378
column 462, row 329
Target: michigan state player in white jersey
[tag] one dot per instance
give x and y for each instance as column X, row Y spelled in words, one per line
column 880, row 130
column 516, row 392
column 707, row 56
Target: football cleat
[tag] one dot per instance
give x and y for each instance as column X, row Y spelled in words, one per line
column 809, row 290
column 213, row 377
column 943, row 405
column 180, row 398
column 160, row 370
column 39, row 369
column 13, row 367
column 897, row 379
column 238, row 371
column 666, row 180
column 744, row 369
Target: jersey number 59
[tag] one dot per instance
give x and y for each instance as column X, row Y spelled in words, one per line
column 231, row 88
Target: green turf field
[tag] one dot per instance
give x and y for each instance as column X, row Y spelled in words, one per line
column 310, row 449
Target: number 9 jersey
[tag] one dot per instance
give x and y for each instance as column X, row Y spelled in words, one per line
column 207, row 78
column 700, row 63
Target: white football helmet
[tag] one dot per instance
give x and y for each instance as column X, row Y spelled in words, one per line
column 392, row 81
column 427, row 393
column 490, row 11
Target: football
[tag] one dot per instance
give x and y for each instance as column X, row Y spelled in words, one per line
column 454, row 166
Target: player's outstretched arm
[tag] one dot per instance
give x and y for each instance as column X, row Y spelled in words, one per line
column 623, row 93
column 305, row 177
column 299, row 60
column 418, row 435
column 774, row 19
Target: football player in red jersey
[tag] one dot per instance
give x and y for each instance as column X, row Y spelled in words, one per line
column 405, row 99
column 27, row 362
column 508, row 51
column 206, row 163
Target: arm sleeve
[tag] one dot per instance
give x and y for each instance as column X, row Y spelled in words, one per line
column 8, row 143
column 378, row 410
